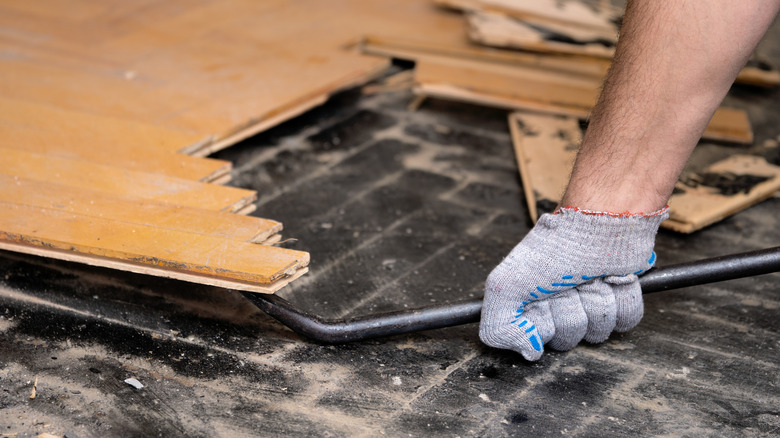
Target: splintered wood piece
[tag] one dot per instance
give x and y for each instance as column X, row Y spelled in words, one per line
column 167, row 253
column 134, row 210
column 724, row 188
column 506, row 25
column 498, row 30
column 545, row 148
column 572, row 13
column 122, row 182
column 533, row 89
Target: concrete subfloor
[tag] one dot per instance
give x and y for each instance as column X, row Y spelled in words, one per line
column 399, row 210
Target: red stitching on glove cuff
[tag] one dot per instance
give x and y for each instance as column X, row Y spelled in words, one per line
column 607, row 213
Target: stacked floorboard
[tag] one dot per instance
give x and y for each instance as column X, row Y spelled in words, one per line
column 114, row 193
column 544, row 56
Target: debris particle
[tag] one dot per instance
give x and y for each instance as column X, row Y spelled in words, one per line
column 134, row 383
column 396, row 381
column 34, row 388
column 484, row 397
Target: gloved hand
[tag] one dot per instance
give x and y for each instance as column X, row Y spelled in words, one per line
column 573, row 277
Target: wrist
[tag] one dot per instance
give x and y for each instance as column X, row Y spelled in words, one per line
column 618, row 197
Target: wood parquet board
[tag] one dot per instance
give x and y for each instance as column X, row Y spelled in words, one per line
column 135, row 210
column 109, row 179
column 51, row 132
column 144, row 249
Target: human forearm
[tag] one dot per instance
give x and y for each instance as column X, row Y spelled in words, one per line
column 674, row 63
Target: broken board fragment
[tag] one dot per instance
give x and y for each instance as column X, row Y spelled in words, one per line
column 546, row 147
column 499, row 30
column 724, row 188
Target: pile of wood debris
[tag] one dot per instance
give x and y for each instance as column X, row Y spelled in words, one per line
column 546, row 59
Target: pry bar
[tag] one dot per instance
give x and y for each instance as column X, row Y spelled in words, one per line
column 464, row 312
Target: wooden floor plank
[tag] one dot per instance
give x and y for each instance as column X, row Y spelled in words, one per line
column 135, row 210
column 80, row 145
column 95, row 100
column 109, row 132
column 175, row 251
column 216, row 84
column 92, row 176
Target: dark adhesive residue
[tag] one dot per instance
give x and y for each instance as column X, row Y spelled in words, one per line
column 727, row 183
column 550, row 35
column 545, row 206
column 760, row 64
column 573, row 143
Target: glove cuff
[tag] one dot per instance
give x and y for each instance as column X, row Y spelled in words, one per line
column 615, row 243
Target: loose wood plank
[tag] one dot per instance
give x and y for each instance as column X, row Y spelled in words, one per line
column 123, row 182
column 217, row 85
column 135, row 210
column 65, row 134
column 168, row 253
column 109, row 132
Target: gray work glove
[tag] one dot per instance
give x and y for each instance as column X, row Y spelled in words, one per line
column 573, row 277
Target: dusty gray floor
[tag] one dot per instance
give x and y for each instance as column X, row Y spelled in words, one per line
column 398, row 210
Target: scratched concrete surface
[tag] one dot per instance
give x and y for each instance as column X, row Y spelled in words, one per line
column 399, row 209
